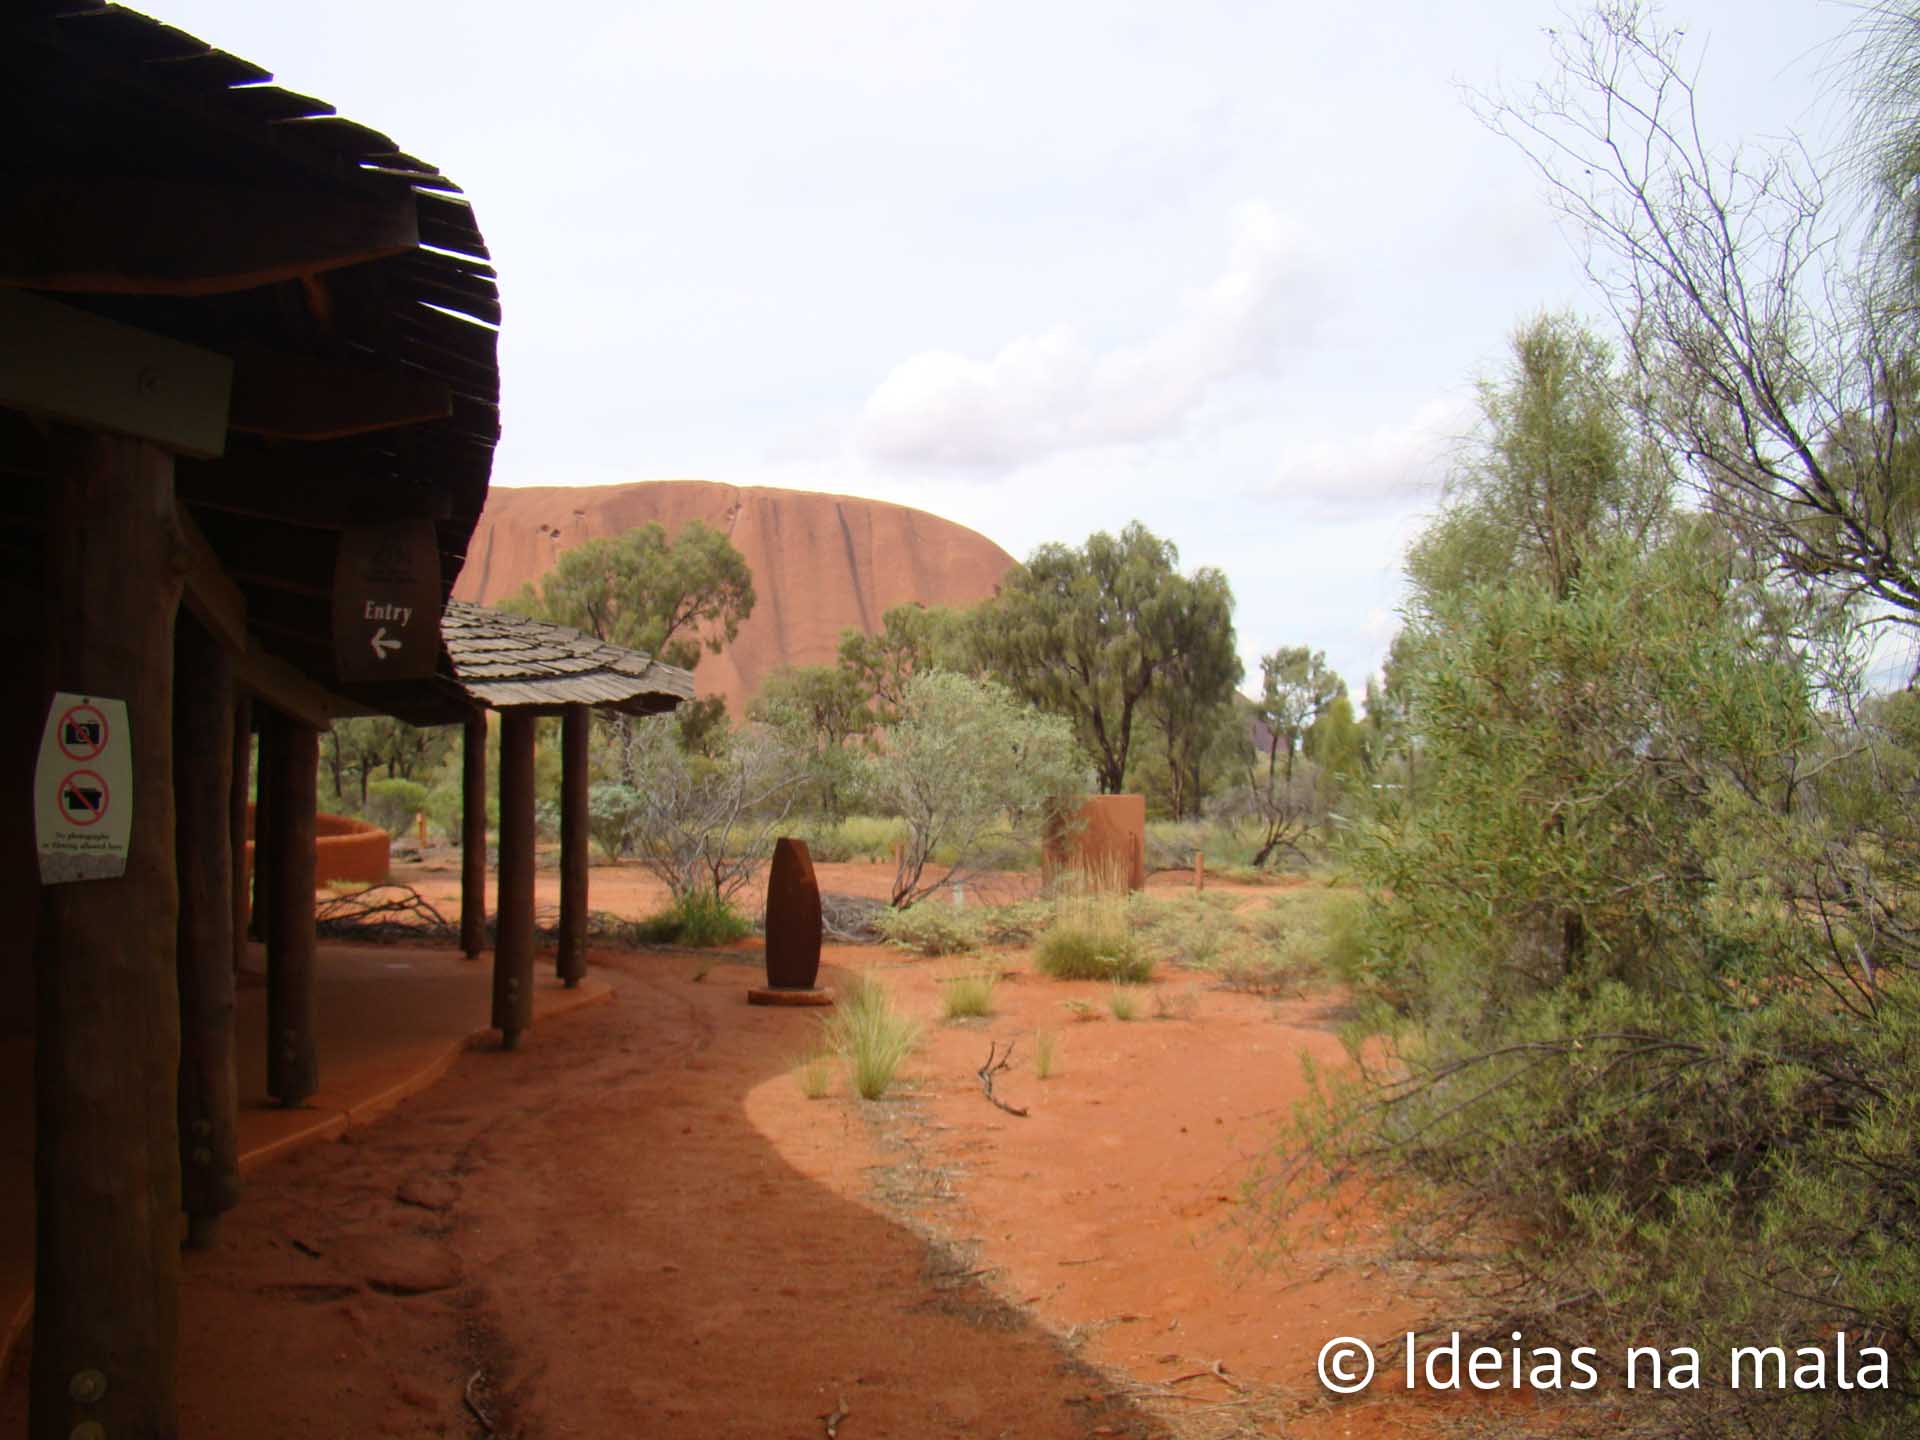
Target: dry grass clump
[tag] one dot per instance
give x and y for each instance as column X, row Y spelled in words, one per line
column 968, row 997
column 1092, row 937
column 871, row 1036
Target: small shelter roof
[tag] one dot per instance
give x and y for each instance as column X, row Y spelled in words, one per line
column 511, row 662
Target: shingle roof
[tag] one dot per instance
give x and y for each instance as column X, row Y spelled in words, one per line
column 506, row 660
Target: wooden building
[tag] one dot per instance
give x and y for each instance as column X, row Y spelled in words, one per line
column 248, row 407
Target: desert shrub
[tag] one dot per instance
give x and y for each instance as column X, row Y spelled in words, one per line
column 932, row 928
column 699, row 918
column 392, row 804
column 1015, row 923
column 855, row 838
column 871, row 1036
column 968, row 997
column 613, row 811
column 1124, row 1003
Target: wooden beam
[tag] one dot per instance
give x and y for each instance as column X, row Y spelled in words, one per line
column 216, row 602
column 65, row 364
column 571, row 963
column 126, row 236
column 473, row 835
column 287, row 689
column 513, row 917
column 203, row 709
column 107, row 1011
column 321, row 488
column 298, row 397
column 293, row 1062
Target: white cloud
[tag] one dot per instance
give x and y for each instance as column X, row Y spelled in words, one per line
column 1403, row 460
column 1049, row 393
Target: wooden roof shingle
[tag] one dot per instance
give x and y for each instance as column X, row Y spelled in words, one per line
column 509, row 661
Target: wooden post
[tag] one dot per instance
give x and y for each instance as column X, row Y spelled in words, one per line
column 266, row 834
column 473, row 836
column 106, row 1001
column 242, row 792
column 513, row 922
column 293, row 1066
column 203, row 805
column 1199, row 870
column 571, row 964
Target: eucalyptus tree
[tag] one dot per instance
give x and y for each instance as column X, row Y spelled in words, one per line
column 1091, row 633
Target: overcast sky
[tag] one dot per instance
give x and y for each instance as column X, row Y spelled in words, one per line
column 1226, row 268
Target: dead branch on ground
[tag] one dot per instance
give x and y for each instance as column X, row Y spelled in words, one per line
column 987, row 1071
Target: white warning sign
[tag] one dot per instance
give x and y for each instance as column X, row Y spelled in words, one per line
column 83, row 790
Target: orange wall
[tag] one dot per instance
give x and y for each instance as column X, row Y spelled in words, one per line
column 1110, row 843
column 343, row 849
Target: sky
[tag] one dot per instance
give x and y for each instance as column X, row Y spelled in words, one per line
column 1230, row 269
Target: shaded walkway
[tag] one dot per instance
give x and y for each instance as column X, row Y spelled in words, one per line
column 392, row 1019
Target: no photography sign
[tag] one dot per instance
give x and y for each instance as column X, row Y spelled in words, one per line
column 83, row 790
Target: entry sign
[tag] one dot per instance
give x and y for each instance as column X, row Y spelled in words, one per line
column 83, row 790
column 386, row 602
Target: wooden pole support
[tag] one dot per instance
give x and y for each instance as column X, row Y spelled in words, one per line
column 241, row 793
column 513, row 943
column 106, row 1061
column 293, row 1066
column 571, row 963
column 203, row 804
column 473, row 836
column 1199, row 870
column 266, row 834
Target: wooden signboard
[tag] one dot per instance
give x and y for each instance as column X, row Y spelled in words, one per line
column 386, row 602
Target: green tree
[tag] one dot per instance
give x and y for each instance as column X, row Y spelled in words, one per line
column 1296, row 687
column 913, row 639
column 672, row 599
column 1775, row 369
column 1088, row 634
column 966, row 763
column 821, row 710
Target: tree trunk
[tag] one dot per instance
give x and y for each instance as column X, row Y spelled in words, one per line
column 106, row 999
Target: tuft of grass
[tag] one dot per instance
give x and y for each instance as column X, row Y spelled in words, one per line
column 1044, row 1048
column 1092, row 938
column 1124, row 1002
column 1168, row 1005
column 871, row 1036
column 815, row 1074
column 965, row 997
column 1081, row 1009
column 698, row 919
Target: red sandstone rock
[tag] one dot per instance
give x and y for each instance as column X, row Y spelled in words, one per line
column 821, row 563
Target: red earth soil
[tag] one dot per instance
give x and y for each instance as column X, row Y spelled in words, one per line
column 640, row 1225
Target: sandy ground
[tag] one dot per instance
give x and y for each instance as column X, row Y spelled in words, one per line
column 640, row 1225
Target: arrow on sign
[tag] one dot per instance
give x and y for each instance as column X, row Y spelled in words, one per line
column 382, row 646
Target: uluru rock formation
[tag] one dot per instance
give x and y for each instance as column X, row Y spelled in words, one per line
column 821, row 563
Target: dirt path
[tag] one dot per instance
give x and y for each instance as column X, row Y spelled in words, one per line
column 639, row 1225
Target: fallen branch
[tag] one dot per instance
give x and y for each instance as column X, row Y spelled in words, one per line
column 478, row 1413
column 836, row 1419
column 987, row 1071
column 387, row 911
